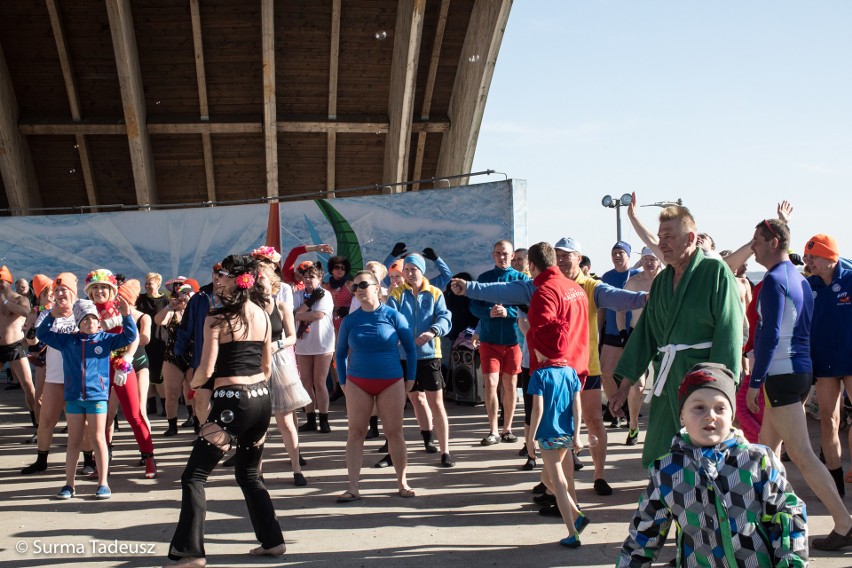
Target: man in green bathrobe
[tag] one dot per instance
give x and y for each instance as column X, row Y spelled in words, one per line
column 693, row 315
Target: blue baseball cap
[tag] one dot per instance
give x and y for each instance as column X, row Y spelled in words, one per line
column 568, row 244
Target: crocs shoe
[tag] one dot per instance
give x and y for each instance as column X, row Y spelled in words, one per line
column 65, row 493
column 103, row 492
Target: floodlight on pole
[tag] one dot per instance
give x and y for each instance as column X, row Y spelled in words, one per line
column 617, row 204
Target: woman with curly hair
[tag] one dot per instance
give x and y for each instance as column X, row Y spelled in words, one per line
column 237, row 355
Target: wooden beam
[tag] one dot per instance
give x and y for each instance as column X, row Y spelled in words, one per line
column 331, row 138
column 470, row 89
column 73, row 99
column 430, row 89
column 403, row 81
column 31, row 128
column 133, row 99
column 16, row 164
column 204, row 111
column 270, row 130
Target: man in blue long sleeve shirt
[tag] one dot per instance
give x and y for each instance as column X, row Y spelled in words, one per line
column 499, row 352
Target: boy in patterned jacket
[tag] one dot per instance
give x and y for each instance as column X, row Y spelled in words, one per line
column 730, row 500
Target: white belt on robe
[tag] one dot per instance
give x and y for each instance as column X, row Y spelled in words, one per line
column 669, row 353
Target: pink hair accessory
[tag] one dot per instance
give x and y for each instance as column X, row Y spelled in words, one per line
column 245, row 281
column 267, row 253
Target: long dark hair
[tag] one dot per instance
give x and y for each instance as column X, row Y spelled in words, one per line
column 231, row 311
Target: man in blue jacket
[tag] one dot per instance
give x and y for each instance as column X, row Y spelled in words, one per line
column 499, row 351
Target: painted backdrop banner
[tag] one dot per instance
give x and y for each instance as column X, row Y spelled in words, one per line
column 460, row 223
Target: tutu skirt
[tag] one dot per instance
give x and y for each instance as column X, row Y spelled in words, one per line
column 285, row 386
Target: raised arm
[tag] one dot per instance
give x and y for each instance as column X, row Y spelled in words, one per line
column 647, row 236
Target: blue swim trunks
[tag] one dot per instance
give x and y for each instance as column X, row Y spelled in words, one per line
column 85, row 407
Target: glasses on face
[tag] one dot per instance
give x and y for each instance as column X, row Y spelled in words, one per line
column 362, row 285
column 339, row 267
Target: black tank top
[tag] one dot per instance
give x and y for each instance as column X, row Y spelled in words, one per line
column 276, row 324
column 239, row 358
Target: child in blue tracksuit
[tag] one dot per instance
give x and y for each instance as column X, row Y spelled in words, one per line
column 85, row 362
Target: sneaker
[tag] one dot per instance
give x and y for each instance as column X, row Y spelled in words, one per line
column 171, row 431
column 88, row 469
column 490, row 440
column 570, row 542
column 447, row 460
column 150, row 467
column 508, row 438
column 523, row 451
column 550, row 511
column 299, row 480
column 834, row 541
column 372, row 433
column 103, row 492
column 36, row 467
column 581, row 522
column 539, row 489
column 430, row 447
column 32, row 439
column 302, row 461
column 602, row 487
column 65, row 493
column 632, row 437
column 529, row 465
column 578, row 465
column 189, row 422
column 383, row 449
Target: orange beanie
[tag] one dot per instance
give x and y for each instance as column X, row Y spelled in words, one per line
column 6, row 275
column 129, row 290
column 40, row 282
column 823, row 246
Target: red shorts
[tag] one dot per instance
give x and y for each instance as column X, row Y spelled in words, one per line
column 504, row 359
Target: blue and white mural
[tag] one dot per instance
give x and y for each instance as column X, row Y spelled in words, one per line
column 460, row 223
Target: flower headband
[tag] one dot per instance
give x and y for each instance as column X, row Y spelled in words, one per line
column 101, row 276
column 245, row 280
column 266, row 253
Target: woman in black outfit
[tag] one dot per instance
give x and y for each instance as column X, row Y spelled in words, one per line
column 237, row 354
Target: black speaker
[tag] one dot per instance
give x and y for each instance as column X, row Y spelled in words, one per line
column 466, row 376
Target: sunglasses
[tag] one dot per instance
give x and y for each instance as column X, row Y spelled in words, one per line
column 363, row 285
column 339, row 267
column 224, row 274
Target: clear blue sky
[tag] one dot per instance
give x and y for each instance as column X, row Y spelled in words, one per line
column 731, row 106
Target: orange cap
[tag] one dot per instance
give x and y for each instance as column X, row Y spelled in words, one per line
column 193, row 283
column 396, row 266
column 66, row 279
column 823, row 246
column 129, row 290
column 6, row 275
column 40, row 282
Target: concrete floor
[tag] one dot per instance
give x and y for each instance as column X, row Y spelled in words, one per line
column 478, row 514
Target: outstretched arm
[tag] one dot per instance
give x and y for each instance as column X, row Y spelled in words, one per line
column 649, row 238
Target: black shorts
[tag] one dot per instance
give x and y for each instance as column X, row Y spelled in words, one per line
column 592, row 382
column 179, row 361
column 784, row 390
column 140, row 362
column 13, row 352
column 429, row 376
column 613, row 340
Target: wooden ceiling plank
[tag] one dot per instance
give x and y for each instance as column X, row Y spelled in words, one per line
column 403, row 82
column 330, row 164
column 133, row 99
column 470, row 88
column 334, row 61
column 270, row 129
column 73, row 98
column 86, row 167
column 430, row 89
column 201, row 77
column 16, row 164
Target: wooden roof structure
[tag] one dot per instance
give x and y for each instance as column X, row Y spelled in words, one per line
column 158, row 102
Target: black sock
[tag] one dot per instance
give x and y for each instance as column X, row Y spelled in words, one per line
column 837, row 476
column 374, row 422
column 427, row 436
column 88, row 459
column 173, row 423
column 41, row 457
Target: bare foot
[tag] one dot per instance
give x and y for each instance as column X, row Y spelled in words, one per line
column 274, row 551
column 188, row 562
